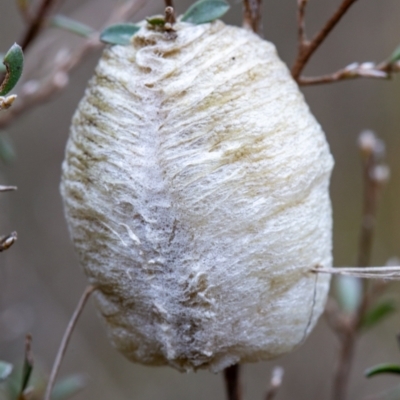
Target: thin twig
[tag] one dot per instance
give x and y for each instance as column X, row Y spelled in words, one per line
column 387, row 273
column 65, row 340
column 307, row 49
column 232, row 382
column 383, row 70
column 170, row 18
column 252, row 17
column 58, row 79
column 344, row 365
column 374, row 176
column 36, row 23
column 301, row 10
column 276, row 383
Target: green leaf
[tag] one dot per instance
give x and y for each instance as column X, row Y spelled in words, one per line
column 348, row 290
column 5, row 370
column 14, row 62
column 205, row 11
column 70, row 25
column 382, row 369
column 68, row 387
column 7, row 153
column 157, row 20
column 377, row 313
column 119, row 34
column 28, row 364
column 395, row 56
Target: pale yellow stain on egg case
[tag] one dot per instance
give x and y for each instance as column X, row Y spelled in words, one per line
column 196, row 190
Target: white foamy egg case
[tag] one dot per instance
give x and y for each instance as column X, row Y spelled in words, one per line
column 195, row 187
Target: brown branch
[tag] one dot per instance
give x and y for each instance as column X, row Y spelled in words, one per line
column 383, row 70
column 307, row 49
column 36, row 23
column 169, row 17
column 232, row 382
column 374, row 176
column 301, row 10
column 276, row 383
column 252, row 17
column 343, row 367
column 65, row 340
column 35, row 93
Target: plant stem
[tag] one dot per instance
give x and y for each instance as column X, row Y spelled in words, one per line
column 307, row 49
column 276, row 382
column 371, row 149
column 36, row 24
column 232, row 382
column 252, row 17
column 65, row 340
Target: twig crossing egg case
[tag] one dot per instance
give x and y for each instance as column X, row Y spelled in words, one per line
column 195, row 187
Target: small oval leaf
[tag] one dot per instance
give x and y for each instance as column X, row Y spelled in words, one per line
column 382, row 369
column 5, row 370
column 205, row 11
column 377, row 313
column 119, row 34
column 70, row 25
column 157, row 20
column 14, row 62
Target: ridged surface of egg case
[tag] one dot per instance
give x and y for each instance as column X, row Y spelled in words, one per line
column 196, row 190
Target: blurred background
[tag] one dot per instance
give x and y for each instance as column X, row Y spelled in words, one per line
column 41, row 281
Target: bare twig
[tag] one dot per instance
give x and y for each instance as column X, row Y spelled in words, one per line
column 169, row 16
column 374, row 176
column 65, row 340
column 307, row 48
column 384, row 272
column 36, row 23
column 252, row 17
column 232, row 382
column 383, row 70
column 276, row 382
column 344, row 364
column 301, row 10
column 35, row 93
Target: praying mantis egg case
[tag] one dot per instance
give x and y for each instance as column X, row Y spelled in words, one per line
column 195, row 186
